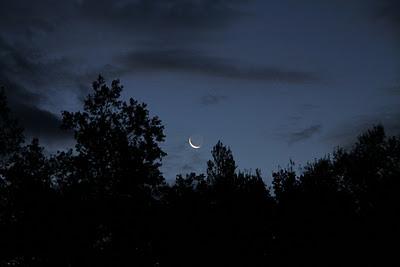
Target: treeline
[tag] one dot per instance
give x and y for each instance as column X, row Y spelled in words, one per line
column 105, row 202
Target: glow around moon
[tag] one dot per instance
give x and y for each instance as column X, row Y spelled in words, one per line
column 192, row 145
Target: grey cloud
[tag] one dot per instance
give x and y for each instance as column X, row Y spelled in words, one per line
column 308, row 107
column 346, row 133
column 143, row 20
column 35, row 121
column 27, row 17
column 154, row 15
column 304, row 134
column 40, row 123
column 187, row 168
column 198, row 63
column 393, row 90
column 163, row 14
column 194, row 162
column 212, row 99
column 181, row 159
column 83, row 81
column 389, row 10
column 16, row 68
column 25, row 64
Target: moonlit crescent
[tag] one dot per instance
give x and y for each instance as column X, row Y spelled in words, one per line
column 193, row 146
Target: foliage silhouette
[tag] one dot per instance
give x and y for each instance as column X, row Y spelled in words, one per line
column 117, row 142
column 105, row 202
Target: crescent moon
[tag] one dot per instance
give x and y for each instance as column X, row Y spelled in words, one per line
column 193, row 146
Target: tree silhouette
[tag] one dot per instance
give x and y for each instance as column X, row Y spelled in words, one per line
column 116, row 142
column 221, row 169
column 30, row 203
column 340, row 208
column 105, row 202
column 115, row 172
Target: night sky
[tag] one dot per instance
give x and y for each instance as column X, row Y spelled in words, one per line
column 274, row 80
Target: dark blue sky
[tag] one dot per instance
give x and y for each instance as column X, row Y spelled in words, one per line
column 274, row 80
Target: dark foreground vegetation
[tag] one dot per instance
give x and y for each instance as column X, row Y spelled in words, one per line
column 105, row 202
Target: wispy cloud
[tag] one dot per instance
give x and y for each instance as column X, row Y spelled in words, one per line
column 196, row 62
column 393, row 90
column 346, row 133
column 164, row 15
column 304, row 134
column 182, row 159
column 212, row 99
